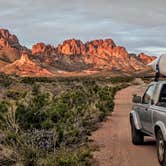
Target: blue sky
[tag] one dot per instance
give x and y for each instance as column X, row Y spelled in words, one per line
column 140, row 26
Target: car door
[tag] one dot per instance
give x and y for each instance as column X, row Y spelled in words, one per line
column 145, row 108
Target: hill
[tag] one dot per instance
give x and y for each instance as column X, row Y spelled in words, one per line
column 71, row 57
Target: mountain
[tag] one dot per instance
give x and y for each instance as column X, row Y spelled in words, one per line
column 74, row 55
column 71, row 56
column 25, row 67
column 14, row 58
column 9, row 47
column 145, row 58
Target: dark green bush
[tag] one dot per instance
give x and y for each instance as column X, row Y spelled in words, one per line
column 67, row 157
column 32, row 116
column 121, row 79
column 48, row 126
column 32, row 80
column 3, row 111
column 5, row 80
column 15, row 95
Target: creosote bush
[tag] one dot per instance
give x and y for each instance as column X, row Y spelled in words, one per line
column 47, row 129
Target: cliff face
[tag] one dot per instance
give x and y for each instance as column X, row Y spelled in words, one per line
column 8, row 40
column 71, row 47
column 101, row 54
column 74, row 55
column 145, row 58
column 9, row 47
column 71, row 55
column 42, row 49
column 14, row 58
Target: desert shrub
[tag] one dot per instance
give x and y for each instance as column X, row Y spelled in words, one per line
column 147, row 80
column 105, row 104
column 32, row 80
column 48, row 129
column 67, row 157
column 31, row 116
column 8, row 116
column 69, row 114
column 30, row 156
column 27, row 152
column 35, row 148
column 7, row 161
column 5, row 80
column 8, row 157
column 43, row 139
column 121, row 79
column 3, row 109
column 15, row 95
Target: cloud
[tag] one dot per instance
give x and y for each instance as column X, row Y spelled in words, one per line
column 137, row 25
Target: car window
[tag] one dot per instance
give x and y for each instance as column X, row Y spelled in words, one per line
column 148, row 95
column 162, row 97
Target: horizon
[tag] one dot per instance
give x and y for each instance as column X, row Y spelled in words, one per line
column 139, row 26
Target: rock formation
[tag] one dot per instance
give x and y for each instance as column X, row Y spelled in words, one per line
column 72, row 55
column 8, row 40
column 146, row 58
column 25, row 67
column 41, row 48
column 71, row 47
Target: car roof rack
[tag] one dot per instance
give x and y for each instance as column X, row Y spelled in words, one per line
column 157, row 76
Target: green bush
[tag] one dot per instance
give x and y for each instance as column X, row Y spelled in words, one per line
column 32, row 116
column 5, row 80
column 15, row 95
column 47, row 129
column 67, row 157
column 121, row 79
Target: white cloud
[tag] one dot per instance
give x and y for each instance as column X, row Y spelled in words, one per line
column 137, row 25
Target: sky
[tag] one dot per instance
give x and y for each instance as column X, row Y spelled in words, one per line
column 138, row 25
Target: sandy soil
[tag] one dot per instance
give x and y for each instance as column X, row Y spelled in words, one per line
column 114, row 140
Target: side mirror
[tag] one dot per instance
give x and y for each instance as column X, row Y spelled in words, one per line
column 137, row 99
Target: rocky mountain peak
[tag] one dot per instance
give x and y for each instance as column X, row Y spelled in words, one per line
column 25, row 67
column 8, row 40
column 71, row 47
column 145, row 58
column 42, row 49
column 24, row 58
column 107, row 43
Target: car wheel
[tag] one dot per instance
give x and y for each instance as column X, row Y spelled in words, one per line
column 161, row 148
column 137, row 136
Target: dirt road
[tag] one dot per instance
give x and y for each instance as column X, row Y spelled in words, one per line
column 113, row 138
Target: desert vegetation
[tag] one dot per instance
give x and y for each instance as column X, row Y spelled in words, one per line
column 47, row 121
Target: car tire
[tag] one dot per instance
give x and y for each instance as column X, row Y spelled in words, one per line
column 161, row 148
column 136, row 135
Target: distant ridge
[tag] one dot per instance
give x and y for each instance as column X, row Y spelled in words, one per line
column 70, row 56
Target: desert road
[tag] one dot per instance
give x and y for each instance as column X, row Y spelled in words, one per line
column 114, row 140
